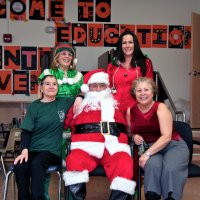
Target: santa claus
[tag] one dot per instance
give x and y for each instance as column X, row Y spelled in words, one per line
column 99, row 137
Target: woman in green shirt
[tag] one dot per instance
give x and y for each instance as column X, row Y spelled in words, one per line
column 41, row 138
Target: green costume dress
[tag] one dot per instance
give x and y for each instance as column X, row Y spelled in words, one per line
column 67, row 87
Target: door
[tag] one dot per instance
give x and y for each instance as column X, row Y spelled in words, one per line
column 195, row 72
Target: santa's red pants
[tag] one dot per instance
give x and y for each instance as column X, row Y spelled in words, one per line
column 119, row 164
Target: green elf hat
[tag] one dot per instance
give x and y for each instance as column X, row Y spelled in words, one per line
column 65, row 46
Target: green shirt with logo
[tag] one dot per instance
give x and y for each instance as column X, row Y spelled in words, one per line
column 45, row 120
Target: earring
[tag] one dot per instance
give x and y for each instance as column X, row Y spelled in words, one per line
column 75, row 61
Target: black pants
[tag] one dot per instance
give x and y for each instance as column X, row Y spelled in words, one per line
column 31, row 174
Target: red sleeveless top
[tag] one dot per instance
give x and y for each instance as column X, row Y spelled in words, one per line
column 147, row 124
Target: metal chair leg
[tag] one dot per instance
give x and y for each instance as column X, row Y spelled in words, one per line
column 3, row 165
column 59, row 184
column 10, row 172
column 6, row 184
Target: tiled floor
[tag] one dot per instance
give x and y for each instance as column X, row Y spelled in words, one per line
column 98, row 189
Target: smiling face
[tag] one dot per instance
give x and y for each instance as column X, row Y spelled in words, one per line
column 144, row 92
column 127, row 45
column 49, row 87
column 65, row 58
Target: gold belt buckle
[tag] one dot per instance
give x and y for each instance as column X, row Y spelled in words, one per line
column 108, row 128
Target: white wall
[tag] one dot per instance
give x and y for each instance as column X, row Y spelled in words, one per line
column 173, row 64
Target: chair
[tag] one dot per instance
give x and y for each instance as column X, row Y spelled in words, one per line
column 52, row 169
column 99, row 170
column 185, row 132
column 9, row 147
column 3, row 134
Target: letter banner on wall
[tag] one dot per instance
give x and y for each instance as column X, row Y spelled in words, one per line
column 44, row 58
column 3, row 9
column 5, row 82
column 176, row 36
column 159, row 36
column 144, row 35
column 79, row 34
column 95, row 35
column 56, row 10
column 34, row 81
column 18, row 10
column 125, row 27
column 111, row 34
column 12, row 57
column 85, row 10
column 37, row 9
column 21, row 82
column 63, row 32
column 103, row 11
column 29, row 58
column 187, row 37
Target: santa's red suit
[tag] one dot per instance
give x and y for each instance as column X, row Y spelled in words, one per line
column 90, row 148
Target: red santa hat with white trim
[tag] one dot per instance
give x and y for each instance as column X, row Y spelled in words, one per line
column 94, row 76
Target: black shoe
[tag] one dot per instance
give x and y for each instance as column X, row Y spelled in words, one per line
column 78, row 191
column 152, row 196
column 118, row 195
column 170, row 196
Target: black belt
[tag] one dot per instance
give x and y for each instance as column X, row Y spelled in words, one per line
column 108, row 128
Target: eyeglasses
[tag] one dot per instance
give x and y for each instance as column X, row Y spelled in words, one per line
column 97, row 86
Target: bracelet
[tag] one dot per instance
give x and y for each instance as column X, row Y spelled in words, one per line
column 148, row 154
column 80, row 95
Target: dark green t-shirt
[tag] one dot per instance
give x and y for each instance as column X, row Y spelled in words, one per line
column 45, row 121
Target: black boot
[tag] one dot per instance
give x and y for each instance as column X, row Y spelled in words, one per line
column 152, row 196
column 118, row 195
column 78, row 191
column 170, row 196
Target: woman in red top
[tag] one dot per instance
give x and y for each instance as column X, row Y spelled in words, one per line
column 128, row 64
column 165, row 163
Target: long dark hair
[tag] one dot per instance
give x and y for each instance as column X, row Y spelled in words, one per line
column 138, row 59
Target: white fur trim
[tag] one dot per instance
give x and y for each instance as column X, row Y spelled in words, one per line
column 84, row 88
column 123, row 185
column 108, row 109
column 99, row 77
column 70, row 81
column 113, row 146
column 74, row 177
column 95, row 149
column 46, row 72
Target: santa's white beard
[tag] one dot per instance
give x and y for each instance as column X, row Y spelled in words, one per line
column 102, row 100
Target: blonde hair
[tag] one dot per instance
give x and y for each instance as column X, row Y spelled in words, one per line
column 55, row 64
column 141, row 80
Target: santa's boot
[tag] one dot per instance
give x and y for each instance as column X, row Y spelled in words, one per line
column 152, row 196
column 78, row 191
column 118, row 195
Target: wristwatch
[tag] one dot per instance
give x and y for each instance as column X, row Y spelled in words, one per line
column 148, row 154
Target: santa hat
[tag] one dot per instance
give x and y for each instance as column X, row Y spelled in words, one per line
column 94, row 76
